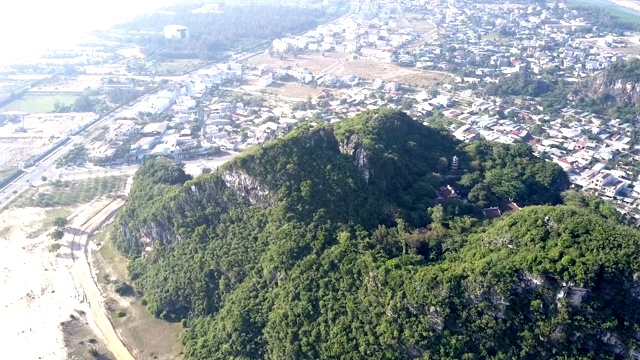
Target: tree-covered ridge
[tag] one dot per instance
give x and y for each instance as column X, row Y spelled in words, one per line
column 304, row 173
column 520, row 83
column 497, row 172
column 335, row 242
column 517, row 289
column 214, row 33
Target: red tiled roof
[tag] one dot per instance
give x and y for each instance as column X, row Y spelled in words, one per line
column 491, row 213
column 446, row 192
column 511, row 206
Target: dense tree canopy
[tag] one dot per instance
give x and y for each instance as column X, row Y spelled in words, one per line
column 519, row 84
column 335, row 242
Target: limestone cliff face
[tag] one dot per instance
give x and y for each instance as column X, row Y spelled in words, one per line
column 202, row 202
column 154, row 231
column 354, row 148
column 248, row 188
column 620, row 89
column 621, row 80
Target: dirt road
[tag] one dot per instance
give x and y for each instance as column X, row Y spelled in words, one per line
column 81, row 272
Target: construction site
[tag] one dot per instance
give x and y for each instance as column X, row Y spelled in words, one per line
column 24, row 135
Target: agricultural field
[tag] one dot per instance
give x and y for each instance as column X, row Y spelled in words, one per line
column 617, row 12
column 39, row 104
column 58, row 198
column 61, row 193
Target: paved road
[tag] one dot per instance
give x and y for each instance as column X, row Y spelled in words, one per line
column 81, row 272
column 47, row 168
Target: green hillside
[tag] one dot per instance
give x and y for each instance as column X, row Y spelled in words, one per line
column 344, row 241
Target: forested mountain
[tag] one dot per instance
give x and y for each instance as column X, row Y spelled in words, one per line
column 344, row 241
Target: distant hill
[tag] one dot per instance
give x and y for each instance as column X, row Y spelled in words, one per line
column 362, row 240
column 243, row 26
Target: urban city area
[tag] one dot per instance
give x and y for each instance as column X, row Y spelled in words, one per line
column 274, row 179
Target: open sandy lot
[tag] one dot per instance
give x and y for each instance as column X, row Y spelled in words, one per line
column 291, row 91
column 44, row 298
column 38, row 292
column 314, row 61
column 15, row 151
column 388, row 72
column 632, row 45
column 414, row 21
column 339, row 65
column 42, row 130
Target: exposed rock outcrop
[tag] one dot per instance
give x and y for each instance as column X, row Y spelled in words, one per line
column 248, row 188
column 354, row 148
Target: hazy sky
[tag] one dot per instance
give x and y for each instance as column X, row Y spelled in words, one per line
column 33, row 25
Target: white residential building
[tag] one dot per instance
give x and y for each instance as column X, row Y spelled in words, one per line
column 176, row 32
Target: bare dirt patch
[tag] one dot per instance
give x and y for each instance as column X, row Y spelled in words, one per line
column 414, row 21
column 293, row 90
column 340, row 66
column 631, row 48
column 14, row 151
column 38, row 292
column 313, row 61
column 388, row 72
column 80, row 341
column 17, row 144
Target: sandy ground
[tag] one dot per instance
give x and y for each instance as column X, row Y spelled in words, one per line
column 312, row 61
column 39, row 291
column 15, row 151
